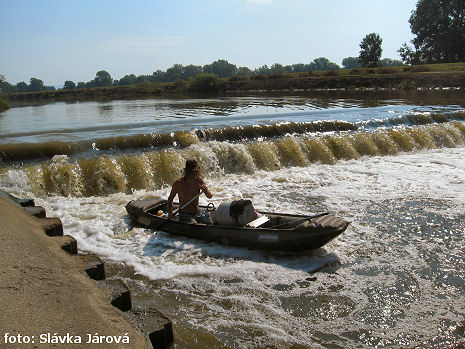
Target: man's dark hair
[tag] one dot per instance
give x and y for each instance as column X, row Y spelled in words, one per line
column 191, row 166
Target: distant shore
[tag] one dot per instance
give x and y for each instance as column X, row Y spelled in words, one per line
column 383, row 78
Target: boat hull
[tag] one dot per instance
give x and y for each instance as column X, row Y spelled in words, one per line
column 293, row 233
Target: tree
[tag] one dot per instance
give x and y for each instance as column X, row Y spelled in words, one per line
column 191, row 71
column 36, row 85
column 221, row 67
column 388, row 62
column 22, row 86
column 262, row 70
column 244, row 71
column 351, row 63
column 408, row 55
column 277, row 68
column 69, row 85
column 323, row 63
column 175, row 72
column 300, row 68
column 127, row 80
column 371, row 50
column 102, row 79
column 158, row 76
column 143, row 79
column 2, row 81
column 439, row 29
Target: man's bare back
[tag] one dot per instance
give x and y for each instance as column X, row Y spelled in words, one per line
column 187, row 188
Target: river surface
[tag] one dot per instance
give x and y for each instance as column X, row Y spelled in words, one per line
column 392, row 165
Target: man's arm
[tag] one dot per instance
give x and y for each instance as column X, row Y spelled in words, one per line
column 204, row 188
column 174, row 191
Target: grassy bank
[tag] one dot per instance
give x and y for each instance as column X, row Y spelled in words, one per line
column 398, row 78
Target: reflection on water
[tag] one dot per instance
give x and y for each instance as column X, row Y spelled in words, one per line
column 81, row 121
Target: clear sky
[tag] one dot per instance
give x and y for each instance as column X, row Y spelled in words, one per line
column 58, row 40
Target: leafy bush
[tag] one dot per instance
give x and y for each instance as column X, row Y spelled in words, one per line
column 206, row 83
column 4, row 105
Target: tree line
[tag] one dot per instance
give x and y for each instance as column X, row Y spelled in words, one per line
column 221, row 68
column 34, row 85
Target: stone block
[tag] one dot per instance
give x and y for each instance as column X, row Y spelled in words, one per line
column 68, row 244
column 120, row 294
column 26, row 202
column 96, row 270
column 94, row 266
column 36, row 211
column 52, row 226
column 153, row 324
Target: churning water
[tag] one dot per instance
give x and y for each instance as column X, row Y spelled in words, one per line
column 394, row 167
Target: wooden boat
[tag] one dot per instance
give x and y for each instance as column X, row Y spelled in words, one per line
column 280, row 232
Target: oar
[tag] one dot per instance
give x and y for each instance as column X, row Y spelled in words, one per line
column 299, row 220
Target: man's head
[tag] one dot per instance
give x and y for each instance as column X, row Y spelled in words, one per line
column 192, row 168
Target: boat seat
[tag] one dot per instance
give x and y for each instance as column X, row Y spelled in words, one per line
column 258, row 222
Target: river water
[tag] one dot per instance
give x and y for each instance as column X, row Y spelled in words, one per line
column 393, row 165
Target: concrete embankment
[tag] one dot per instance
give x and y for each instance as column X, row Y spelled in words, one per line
column 50, row 296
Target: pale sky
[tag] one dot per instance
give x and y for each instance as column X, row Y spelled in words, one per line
column 58, row 40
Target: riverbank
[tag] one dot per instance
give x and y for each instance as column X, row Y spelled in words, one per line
column 434, row 76
column 47, row 298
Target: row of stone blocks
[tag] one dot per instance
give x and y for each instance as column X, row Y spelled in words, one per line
column 153, row 324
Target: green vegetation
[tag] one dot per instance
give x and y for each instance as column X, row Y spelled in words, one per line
column 393, row 77
column 351, row 63
column 4, row 105
column 439, row 29
column 370, row 53
column 34, row 85
column 205, row 83
column 222, row 68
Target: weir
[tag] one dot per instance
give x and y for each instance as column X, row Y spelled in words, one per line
column 12, row 151
column 153, row 169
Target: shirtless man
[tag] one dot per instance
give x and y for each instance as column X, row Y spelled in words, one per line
column 188, row 187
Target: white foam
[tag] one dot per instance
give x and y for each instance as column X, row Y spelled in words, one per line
column 245, row 289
